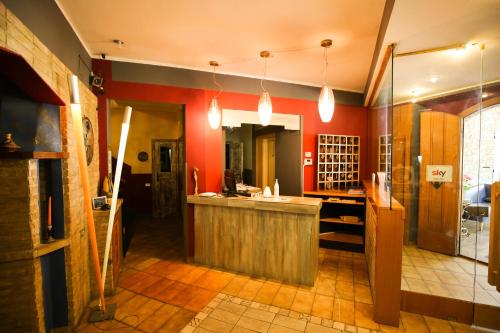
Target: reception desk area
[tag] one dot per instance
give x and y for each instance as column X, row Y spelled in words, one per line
column 276, row 239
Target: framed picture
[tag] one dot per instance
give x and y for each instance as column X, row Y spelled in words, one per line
column 98, row 202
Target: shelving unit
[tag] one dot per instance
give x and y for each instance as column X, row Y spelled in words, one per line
column 338, row 161
column 385, row 154
column 336, row 232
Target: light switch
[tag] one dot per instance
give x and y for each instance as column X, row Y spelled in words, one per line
column 308, row 154
column 308, row 161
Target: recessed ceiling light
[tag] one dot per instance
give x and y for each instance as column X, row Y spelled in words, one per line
column 414, row 100
column 484, row 95
column 434, row 79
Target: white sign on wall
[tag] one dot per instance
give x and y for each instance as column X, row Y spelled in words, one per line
column 439, row 173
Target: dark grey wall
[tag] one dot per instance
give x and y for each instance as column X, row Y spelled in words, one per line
column 47, row 22
column 169, row 76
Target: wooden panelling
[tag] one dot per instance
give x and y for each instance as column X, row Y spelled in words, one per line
column 438, row 207
column 494, row 260
column 384, row 251
column 487, row 316
column 268, row 243
column 437, row 306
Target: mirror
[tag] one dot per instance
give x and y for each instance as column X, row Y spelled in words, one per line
column 254, row 156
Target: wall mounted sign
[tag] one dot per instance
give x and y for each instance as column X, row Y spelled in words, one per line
column 439, row 174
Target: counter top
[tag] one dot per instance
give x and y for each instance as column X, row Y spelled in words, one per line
column 300, row 205
column 334, row 193
column 373, row 195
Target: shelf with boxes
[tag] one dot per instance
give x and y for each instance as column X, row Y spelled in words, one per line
column 338, row 161
column 342, row 219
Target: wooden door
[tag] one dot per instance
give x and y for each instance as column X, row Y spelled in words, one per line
column 165, row 178
column 439, row 207
column 265, row 160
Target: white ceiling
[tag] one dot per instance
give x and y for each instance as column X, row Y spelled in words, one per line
column 189, row 33
column 424, row 24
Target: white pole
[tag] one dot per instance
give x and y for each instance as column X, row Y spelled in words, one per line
column 116, row 188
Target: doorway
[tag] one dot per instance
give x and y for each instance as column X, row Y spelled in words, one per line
column 265, row 160
column 481, row 169
column 166, row 176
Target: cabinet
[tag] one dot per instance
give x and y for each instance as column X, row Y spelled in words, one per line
column 342, row 219
column 338, row 161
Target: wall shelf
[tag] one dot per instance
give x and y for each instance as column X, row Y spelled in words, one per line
column 342, row 237
column 41, row 250
column 41, row 155
column 338, row 220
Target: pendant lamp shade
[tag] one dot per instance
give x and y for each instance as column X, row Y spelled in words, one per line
column 326, row 104
column 265, row 109
column 214, row 114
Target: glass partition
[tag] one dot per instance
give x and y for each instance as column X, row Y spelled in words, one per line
column 380, row 131
column 435, row 169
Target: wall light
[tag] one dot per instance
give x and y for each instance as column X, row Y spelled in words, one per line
column 434, row 79
column 265, row 107
column 326, row 101
column 214, row 112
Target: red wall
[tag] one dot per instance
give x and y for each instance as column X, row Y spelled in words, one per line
column 204, row 146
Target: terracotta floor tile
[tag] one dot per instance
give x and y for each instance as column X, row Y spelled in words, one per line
column 392, row 329
column 361, row 277
column 158, row 318
column 363, row 316
column 462, row 328
column 143, row 312
column 193, row 275
column 413, row 323
column 130, row 307
column 235, row 286
column 185, row 295
column 132, row 279
column 146, row 263
column 178, row 270
column 177, row 322
column 170, row 292
column 345, row 274
column 325, row 286
column 362, row 293
column 303, row 302
column 344, row 290
column 436, row 325
column 158, row 288
column 250, row 289
column 343, row 311
column 121, row 297
column 322, row 306
column 145, row 283
column 213, row 280
column 200, row 300
column 159, row 268
column 284, row 297
column 267, row 293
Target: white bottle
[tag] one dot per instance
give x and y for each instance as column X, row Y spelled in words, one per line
column 276, row 189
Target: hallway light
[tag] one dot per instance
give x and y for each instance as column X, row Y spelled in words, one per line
column 326, row 101
column 265, row 107
column 214, row 111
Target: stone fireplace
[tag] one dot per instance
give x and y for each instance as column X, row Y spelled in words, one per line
column 43, row 285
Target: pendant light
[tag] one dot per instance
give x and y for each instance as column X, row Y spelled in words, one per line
column 265, row 108
column 326, row 101
column 214, row 112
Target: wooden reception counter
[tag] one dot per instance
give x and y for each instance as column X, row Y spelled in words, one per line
column 259, row 237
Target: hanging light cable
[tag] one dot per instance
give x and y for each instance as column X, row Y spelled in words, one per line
column 214, row 112
column 326, row 101
column 265, row 108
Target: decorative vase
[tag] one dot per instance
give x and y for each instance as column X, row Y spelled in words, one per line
column 8, row 144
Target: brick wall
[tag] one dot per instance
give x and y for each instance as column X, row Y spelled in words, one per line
column 24, row 213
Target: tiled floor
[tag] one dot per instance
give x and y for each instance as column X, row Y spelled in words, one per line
column 468, row 241
column 160, row 293
column 438, row 274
